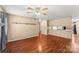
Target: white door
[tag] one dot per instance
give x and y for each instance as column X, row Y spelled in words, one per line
column 43, row 27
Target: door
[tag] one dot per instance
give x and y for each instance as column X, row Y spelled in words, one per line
column 3, row 31
column 0, row 34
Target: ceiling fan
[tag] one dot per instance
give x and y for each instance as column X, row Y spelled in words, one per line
column 37, row 10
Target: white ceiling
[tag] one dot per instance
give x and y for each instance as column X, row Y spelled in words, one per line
column 54, row 11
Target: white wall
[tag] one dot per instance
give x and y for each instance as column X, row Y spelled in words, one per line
column 61, row 22
column 21, row 31
column 77, row 25
column 43, row 27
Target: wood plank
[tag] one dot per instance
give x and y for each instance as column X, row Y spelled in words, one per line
column 40, row 44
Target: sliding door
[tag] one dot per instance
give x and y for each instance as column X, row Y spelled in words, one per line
column 0, row 33
column 3, row 31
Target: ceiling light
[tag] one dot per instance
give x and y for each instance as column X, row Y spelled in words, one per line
column 37, row 10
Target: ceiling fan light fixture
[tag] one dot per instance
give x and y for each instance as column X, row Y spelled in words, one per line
column 37, row 13
column 37, row 10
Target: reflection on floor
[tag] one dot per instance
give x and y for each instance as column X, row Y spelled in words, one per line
column 75, row 43
column 43, row 43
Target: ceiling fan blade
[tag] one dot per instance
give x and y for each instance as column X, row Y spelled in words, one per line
column 44, row 9
column 44, row 12
column 30, row 9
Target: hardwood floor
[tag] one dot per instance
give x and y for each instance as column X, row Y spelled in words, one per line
column 75, row 43
column 40, row 44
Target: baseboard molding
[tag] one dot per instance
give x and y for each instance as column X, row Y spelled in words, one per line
column 54, row 36
column 22, row 39
column 58, row 36
column 38, row 35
